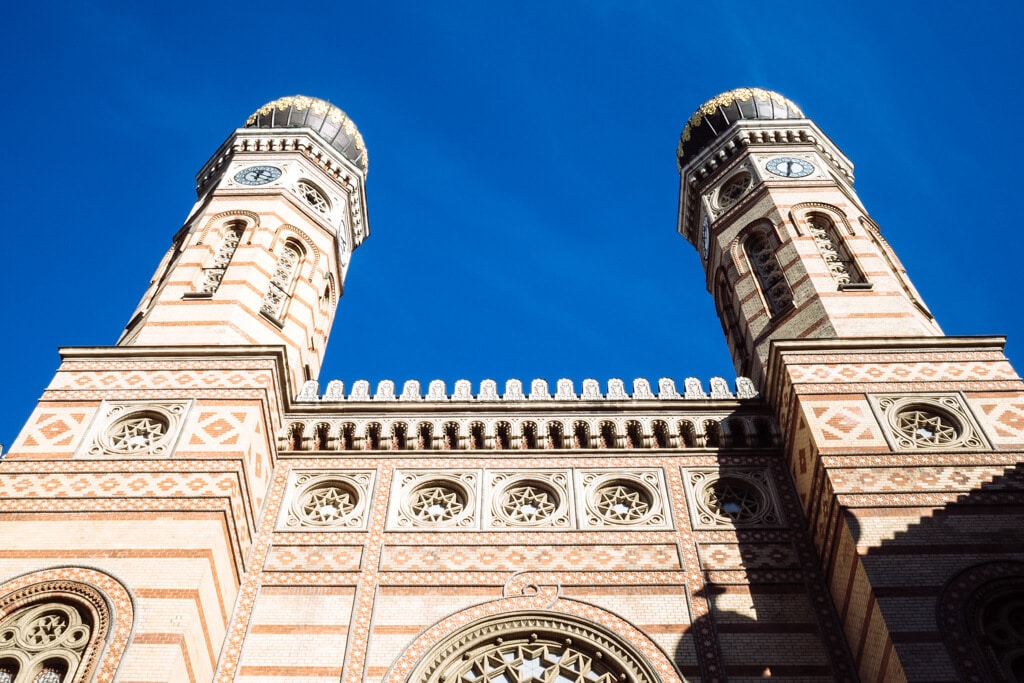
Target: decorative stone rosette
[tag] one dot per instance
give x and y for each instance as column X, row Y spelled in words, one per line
column 337, row 500
column 135, row 428
column 731, row 498
column 529, row 499
column 623, row 498
column 435, row 499
column 928, row 422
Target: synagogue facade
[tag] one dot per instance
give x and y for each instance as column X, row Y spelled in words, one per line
column 192, row 505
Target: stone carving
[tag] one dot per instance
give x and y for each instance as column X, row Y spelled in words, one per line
column 463, row 390
column 488, row 391
column 745, row 388
column 436, row 390
column 667, row 388
column 411, row 391
column 694, row 389
column 619, row 498
column 642, row 389
column 720, row 388
column 328, row 499
column 539, row 390
column 432, row 499
column 564, row 390
column 617, row 390
column 385, row 391
column 591, row 390
column 135, row 428
column 731, row 498
column 309, row 392
column 927, row 421
column 335, row 391
column 360, row 391
column 514, row 390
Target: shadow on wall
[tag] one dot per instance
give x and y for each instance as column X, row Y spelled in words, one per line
column 950, row 585
column 769, row 610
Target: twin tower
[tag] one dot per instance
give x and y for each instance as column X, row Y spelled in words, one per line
column 175, row 509
column 766, row 198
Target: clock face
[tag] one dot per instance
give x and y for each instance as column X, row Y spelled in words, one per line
column 705, row 237
column 258, row 175
column 787, row 167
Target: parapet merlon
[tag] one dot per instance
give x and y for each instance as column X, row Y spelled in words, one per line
column 565, row 390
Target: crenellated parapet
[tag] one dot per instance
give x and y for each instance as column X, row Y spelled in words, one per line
column 539, row 390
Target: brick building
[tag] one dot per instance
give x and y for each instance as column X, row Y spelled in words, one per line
column 188, row 506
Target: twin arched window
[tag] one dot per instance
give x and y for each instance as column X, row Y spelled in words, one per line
column 835, row 253
column 43, row 643
column 213, row 275
column 760, row 251
column 282, row 282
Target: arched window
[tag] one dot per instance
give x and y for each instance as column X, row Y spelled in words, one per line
column 727, row 315
column 213, row 275
column 44, row 643
column 837, row 257
column 502, row 440
column 981, row 613
column 282, row 282
column 533, row 647
column 761, row 254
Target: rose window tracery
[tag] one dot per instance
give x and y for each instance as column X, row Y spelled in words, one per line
column 528, row 504
column 436, row 504
column 42, row 643
column 733, row 190
column 735, row 500
column 328, row 503
column 926, row 428
column 537, row 663
column 622, row 502
column 137, row 432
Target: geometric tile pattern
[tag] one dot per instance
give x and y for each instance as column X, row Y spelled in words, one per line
column 838, row 423
column 533, row 557
column 53, row 430
column 911, row 479
column 721, row 556
column 323, row 558
column 942, row 368
column 1003, row 419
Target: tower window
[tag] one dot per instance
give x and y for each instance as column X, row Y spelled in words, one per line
column 833, row 250
column 733, row 189
column 769, row 273
column 213, row 275
column 313, row 196
column 276, row 299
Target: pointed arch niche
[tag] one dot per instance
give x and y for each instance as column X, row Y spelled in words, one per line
column 538, row 636
column 67, row 625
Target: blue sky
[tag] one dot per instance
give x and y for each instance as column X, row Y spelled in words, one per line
column 522, row 188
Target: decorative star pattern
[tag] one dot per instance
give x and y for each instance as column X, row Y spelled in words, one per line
column 536, row 664
column 527, row 504
column 136, row 434
column 622, row 503
column 46, row 629
column 926, row 428
column 436, row 504
column 327, row 504
column 735, row 500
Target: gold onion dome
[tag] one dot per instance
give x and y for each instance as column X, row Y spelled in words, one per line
column 714, row 116
column 329, row 122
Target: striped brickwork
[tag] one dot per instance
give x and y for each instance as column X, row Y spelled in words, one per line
column 227, row 586
column 893, row 525
column 172, row 532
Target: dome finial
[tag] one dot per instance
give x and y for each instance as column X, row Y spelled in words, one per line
column 330, row 122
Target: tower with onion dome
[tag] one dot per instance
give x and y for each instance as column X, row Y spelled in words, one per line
column 261, row 259
column 788, row 249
